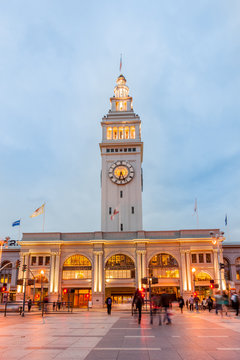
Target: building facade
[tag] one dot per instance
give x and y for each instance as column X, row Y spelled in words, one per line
column 91, row 266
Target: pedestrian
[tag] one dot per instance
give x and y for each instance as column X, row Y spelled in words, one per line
column 225, row 303
column 165, row 303
column 219, row 302
column 54, row 306
column 191, row 301
column 210, row 303
column 235, row 302
column 187, row 303
column 181, row 303
column 59, row 304
column 29, row 305
column 204, row 303
column 138, row 301
column 109, row 305
column 196, row 301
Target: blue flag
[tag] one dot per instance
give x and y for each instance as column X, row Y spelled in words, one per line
column 16, row 223
column 226, row 220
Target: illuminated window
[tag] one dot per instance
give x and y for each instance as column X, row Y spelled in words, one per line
column 163, row 266
column 132, row 132
column 77, row 267
column 126, row 132
column 120, row 105
column 227, row 273
column 125, row 105
column 120, row 267
column 120, row 133
column 109, row 133
column 237, row 263
column 115, row 133
column 208, row 258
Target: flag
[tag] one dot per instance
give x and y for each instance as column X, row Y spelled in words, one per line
column 115, row 212
column 120, row 68
column 195, row 206
column 39, row 211
column 226, row 221
column 16, row 223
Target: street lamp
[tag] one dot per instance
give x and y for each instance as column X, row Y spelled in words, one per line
column 193, row 272
column 216, row 239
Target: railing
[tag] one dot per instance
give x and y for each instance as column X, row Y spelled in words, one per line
column 37, row 306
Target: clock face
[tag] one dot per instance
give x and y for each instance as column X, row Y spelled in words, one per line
column 121, row 172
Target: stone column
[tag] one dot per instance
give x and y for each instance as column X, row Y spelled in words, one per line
column 216, row 265
column 100, row 271
column 57, row 269
column 144, row 267
column 183, row 271
column 139, row 270
column 189, row 272
column 52, row 274
column 95, row 284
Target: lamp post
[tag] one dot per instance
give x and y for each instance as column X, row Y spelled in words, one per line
column 216, row 238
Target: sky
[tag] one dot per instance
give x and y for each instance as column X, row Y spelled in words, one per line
column 58, row 67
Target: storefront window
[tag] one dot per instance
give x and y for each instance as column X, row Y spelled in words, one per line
column 202, row 276
column 237, row 263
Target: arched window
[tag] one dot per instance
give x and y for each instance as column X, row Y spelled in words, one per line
column 109, row 133
column 115, row 133
column 126, row 129
column 202, row 276
column 237, row 263
column 163, row 266
column 227, row 273
column 120, row 133
column 120, row 266
column 77, row 267
column 132, row 132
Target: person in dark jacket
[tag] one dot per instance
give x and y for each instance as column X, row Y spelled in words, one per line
column 165, row 302
column 109, row 305
column 29, row 305
column 138, row 301
column 181, row 303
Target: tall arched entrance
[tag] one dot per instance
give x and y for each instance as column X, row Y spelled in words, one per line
column 120, row 278
column 165, row 267
column 77, row 280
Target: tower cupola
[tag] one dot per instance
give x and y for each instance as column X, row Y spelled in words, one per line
column 121, row 101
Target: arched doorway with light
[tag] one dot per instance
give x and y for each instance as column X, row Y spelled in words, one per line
column 77, row 280
column 165, row 267
column 120, row 278
column 202, row 284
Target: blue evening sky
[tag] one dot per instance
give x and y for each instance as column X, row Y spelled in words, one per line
column 58, row 66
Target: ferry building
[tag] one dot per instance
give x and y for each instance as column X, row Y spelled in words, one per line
column 113, row 261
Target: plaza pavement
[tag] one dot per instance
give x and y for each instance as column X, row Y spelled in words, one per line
column 95, row 335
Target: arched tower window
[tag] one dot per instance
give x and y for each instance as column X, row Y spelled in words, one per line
column 109, row 133
column 115, row 133
column 126, row 129
column 120, row 133
column 163, row 266
column 77, row 267
column 132, row 132
column 120, row 266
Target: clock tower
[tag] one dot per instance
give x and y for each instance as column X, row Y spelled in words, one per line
column 122, row 154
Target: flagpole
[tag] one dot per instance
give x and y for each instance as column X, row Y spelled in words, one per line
column 43, row 217
column 19, row 232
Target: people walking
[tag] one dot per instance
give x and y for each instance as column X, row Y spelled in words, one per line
column 191, row 302
column 225, row 303
column 29, row 305
column 219, row 302
column 138, row 301
column 109, row 305
column 165, row 303
column 181, row 303
column 196, row 301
